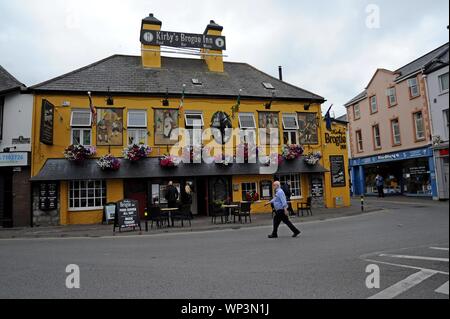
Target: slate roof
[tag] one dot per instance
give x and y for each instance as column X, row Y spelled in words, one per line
column 8, row 82
column 438, row 63
column 419, row 63
column 360, row 96
column 125, row 74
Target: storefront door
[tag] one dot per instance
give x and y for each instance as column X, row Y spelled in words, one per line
column 219, row 189
column 6, row 198
column 137, row 190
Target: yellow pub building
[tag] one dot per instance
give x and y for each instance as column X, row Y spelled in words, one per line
column 123, row 100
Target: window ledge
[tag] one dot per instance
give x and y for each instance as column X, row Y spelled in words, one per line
column 85, row 209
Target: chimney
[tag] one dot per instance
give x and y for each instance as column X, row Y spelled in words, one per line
column 215, row 60
column 151, row 54
column 280, row 73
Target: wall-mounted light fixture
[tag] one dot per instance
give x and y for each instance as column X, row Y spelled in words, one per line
column 268, row 105
column 109, row 99
column 165, row 102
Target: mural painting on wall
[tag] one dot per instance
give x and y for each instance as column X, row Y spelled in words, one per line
column 308, row 131
column 166, row 121
column 268, row 120
column 110, row 127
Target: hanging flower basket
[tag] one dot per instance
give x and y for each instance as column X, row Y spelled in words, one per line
column 136, row 152
column 169, row 161
column 109, row 163
column 78, row 153
column 292, row 152
column 252, row 197
column 313, row 158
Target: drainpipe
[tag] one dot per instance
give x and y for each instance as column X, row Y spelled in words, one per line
column 425, row 77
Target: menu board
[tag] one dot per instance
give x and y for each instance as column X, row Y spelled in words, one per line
column 127, row 215
column 47, row 119
column 266, row 189
column 48, row 196
column 337, row 168
column 316, row 186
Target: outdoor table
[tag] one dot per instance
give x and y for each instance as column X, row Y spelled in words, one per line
column 230, row 207
column 169, row 211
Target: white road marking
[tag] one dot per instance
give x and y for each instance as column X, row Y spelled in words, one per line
column 439, row 248
column 443, row 289
column 405, row 266
column 404, row 285
column 415, row 257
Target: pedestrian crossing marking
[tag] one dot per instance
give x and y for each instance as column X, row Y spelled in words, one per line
column 439, row 248
column 404, row 285
column 415, row 257
column 443, row 289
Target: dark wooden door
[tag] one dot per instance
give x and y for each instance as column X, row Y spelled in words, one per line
column 137, row 190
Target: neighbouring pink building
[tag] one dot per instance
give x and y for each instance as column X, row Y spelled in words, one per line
column 390, row 132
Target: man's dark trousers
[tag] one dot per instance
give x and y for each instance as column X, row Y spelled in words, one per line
column 380, row 191
column 280, row 216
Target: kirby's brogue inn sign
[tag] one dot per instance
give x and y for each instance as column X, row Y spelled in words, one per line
column 182, row 40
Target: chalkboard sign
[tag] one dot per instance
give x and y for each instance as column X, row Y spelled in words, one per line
column 127, row 215
column 337, row 168
column 48, row 196
column 316, row 186
column 47, row 120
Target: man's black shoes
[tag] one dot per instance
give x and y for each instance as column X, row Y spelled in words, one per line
column 296, row 234
column 272, row 236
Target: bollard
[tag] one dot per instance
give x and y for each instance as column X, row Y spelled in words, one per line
column 362, row 203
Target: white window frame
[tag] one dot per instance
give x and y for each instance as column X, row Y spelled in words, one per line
column 249, row 127
column 296, row 184
column 84, row 111
column 248, row 189
column 83, row 185
column 375, row 136
column 416, row 130
column 414, row 83
column 441, row 88
column 188, row 113
column 392, row 96
column 445, row 114
column 393, row 133
column 136, row 132
column 141, row 112
column 290, row 137
column 359, row 142
column 82, row 131
column 372, row 104
column 357, row 110
column 290, row 115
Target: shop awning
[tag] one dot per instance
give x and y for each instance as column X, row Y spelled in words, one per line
column 64, row 170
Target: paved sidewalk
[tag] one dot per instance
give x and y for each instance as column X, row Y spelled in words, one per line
column 198, row 224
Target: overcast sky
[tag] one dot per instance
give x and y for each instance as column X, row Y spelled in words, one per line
column 324, row 46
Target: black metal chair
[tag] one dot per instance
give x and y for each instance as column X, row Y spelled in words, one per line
column 218, row 211
column 182, row 214
column 244, row 212
column 305, row 207
column 155, row 215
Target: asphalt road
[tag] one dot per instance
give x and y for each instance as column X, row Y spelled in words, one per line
column 408, row 242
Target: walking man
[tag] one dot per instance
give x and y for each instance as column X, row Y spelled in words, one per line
column 171, row 195
column 379, row 182
column 281, row 208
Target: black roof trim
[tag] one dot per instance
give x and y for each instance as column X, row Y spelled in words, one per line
column 151, row 20
column 213, row 26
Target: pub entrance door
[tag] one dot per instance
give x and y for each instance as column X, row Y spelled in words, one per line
column 219, row 189
column 137, row 189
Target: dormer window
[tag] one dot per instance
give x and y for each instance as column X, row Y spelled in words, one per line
column 268, row 86
column 196, row 82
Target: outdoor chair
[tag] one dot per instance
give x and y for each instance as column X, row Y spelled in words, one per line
column 218, row 211
column 305, row 207
column 182, row 214
column 156, row 216
column 244, row 212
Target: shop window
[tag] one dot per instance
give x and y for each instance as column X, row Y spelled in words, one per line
column 81, row 136
column 446, row 118
column 413, row 85
column 395, row 128
column 248, row 188
column 376, row 136
column 418, row 126
column 356, row 112
column 443, row 83
column 359, row 141
column 392, row 96
column 373, row 104
column 137, row 127
column 86, row 195
column 159, row 192
column 194, row 119
column 194, row 123
column 295, row 179
column 290, row 137
column 265, row 189
column 247, row 126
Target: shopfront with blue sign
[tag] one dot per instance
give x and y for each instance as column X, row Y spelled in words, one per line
column 410, row 173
